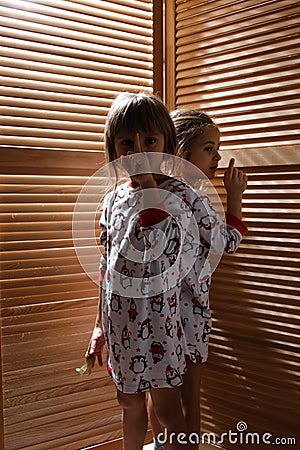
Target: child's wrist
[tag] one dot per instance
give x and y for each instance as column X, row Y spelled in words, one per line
column 235, row 196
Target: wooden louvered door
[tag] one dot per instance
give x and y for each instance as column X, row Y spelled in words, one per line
column 239, row 62
column 62, row 63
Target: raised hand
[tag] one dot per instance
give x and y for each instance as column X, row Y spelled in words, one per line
column 138, row 167
column 235, row 180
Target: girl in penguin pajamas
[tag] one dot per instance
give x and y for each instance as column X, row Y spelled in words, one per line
column 198, row 142
column 134, row 312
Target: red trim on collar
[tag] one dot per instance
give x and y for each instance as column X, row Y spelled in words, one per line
column 152, row 216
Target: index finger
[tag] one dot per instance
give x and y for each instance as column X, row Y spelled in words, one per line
column 230, row 166
column 137, row 143
column 231, row 163
column 92, row 347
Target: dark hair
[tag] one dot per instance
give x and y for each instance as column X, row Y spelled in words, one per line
column 141, row 112
column 189, row 125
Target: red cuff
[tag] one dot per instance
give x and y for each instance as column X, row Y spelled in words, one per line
column 236, row 223
column 152, row 216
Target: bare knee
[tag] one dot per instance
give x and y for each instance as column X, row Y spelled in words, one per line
column 131, row 401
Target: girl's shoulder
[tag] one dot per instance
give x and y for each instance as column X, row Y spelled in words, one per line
column 180, row 186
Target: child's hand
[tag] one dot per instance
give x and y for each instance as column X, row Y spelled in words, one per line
column 97, row 344
column 88, row 365
column 94, row 351
column 139, row 166
column 235, row 180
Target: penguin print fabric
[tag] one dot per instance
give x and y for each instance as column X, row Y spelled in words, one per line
column 155, row 279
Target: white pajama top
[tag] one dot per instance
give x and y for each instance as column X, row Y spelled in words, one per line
column 155, row 280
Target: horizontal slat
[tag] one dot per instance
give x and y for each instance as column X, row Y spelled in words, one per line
column 91, row 75
column 81, row 23
column 52, row 91
column 70, row 294
column 87, row 11
column 51, row 158
column 233, row 17
column 63, row 45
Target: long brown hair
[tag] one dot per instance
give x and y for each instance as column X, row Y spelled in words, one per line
column 138, row 112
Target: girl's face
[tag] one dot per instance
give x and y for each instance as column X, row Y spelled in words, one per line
column 204, row 152
column 128, row 143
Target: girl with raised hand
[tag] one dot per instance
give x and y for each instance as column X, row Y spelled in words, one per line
column 198, row 142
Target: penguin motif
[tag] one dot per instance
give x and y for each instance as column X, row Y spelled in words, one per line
column 172, row 301
column 157, row 351
column 138, row 364
column 119, row 220
column 173, row 377
column 208, row 222
column 231, row 244
column 172, row 249
column 195, row 354
column 200, row 309
column 186, row 207
column 157, row 303
column 120, row 380
column 115, row 303
column 189, row 244
column 205, row 284
column 179, row 352
column 206, row 331
column 145, row 330
column 144, row 385
column 132, row 312
column 169, row 327
column 126, row 276
column 126, row 337
column 145, row 284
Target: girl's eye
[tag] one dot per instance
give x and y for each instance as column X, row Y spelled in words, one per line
column 150, row 141
column 127, row 142
column 209, row 149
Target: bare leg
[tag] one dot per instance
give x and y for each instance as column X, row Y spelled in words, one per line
column 135, row 420
column 168, row 409
column 191, row 398
column 156, row 427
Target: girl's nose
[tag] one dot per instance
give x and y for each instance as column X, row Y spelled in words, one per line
column 218, row 156
column 137, row 143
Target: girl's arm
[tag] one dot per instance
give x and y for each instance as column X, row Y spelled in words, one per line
column 97, row 341
column 223, row 237
column 235, row 182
